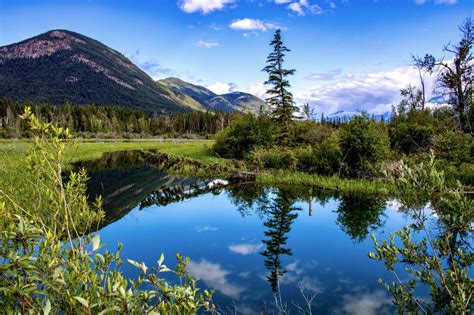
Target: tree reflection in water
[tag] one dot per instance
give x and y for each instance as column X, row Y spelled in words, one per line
column 125, row 181
column 358, row 215
column 280, row 217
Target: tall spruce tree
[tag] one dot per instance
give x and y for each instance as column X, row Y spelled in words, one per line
column 280, row 100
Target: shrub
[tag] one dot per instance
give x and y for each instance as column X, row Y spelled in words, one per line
column 274, row 157
column 413, row 132
column 363, row 144
column 309, row 132
column 411, row 138
column 437, row 255
column 322, row 159
column 243, row 135
column 327, row 157
column 453, row 146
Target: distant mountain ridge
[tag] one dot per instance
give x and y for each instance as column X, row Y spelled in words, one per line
column 233, row 101
column 346, row 115
column 61, row 66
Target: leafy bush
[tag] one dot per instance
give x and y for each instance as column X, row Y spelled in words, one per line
column 48, row 265
column 453, row 146
column 322, row 159
column 309, row 132
column 243, row 135
column 411, row 138
column 327, row 157
column 442, row 258
column 41, row 275
column 413, row 132
column 274, row 157
column 363, row 144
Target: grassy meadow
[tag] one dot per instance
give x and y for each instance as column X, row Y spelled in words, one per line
column 13, row 152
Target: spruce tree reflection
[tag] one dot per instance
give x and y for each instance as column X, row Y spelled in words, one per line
column 246, row 197
column 280, row 217
column 358, row 215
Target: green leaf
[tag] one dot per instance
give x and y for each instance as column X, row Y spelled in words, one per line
column 82, row 301
column 109, row 310
column 47, row 307
column 164, row 269
column 160, row 261
column 144, row 268
column 372, row 255
column 100, row 257
column 96, row 242
column 134, row 263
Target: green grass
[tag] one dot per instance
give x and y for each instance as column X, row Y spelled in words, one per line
column 12, row 150
column 12, row 153
column 198, row 150
column 285, row 177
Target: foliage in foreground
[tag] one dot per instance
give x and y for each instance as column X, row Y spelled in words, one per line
column 438, row 262
column 48, row 266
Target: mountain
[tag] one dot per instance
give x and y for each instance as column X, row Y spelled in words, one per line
column 234, row 101
column 197, row 92
column 61, row 66
column 240, row 101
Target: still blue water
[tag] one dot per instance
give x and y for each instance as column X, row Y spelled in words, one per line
column 250, row 242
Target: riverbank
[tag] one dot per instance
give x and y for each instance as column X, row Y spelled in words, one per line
column 13, row 151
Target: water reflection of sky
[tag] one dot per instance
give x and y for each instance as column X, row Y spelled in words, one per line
column 225, row 250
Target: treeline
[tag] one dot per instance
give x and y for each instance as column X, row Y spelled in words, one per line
column 89, row 121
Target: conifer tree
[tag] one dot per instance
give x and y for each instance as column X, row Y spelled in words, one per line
column 280, row 100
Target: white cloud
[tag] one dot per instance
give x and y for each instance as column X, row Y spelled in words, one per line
column 245, row 249
column 259, row 90
column 374, row 92
column 311, row 284
column 294, row 267
column 250, row 34
column 296, row 7
column 332, row 5
column 205, row 228
column 151, row 66
column 447, row 2
column 324, row 76
column 214, row 276
column 215, row 27
column 283, row 1
column 222, row 88
column 155, row 70
column 247, row 24
column 207, row 44
column 205, row 6
column 366, row 303
column 301, row 7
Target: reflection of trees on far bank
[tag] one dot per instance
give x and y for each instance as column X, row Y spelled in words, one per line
column 126, row 181
column 358, row 215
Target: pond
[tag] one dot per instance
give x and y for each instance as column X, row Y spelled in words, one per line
column 249, row 243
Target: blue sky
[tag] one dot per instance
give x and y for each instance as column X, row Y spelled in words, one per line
column 349, row 54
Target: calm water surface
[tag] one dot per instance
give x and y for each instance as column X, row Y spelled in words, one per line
column 249, row 242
